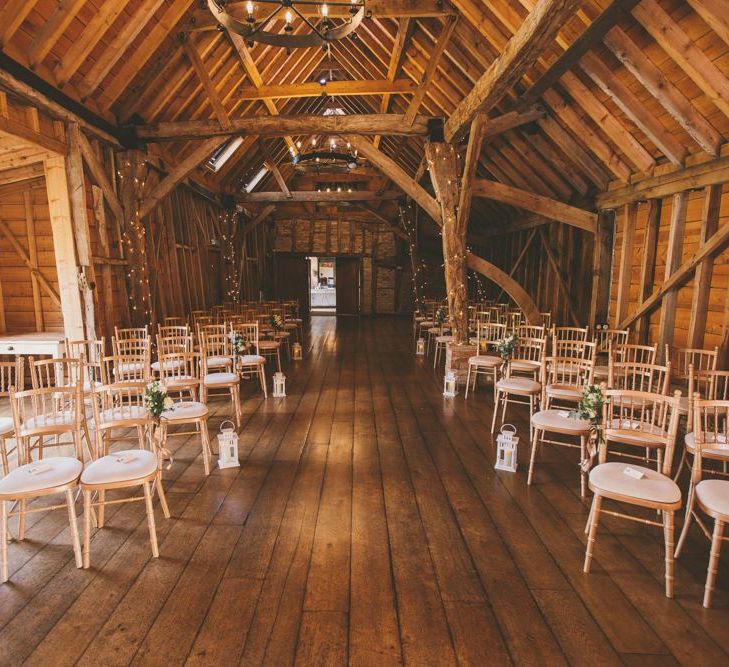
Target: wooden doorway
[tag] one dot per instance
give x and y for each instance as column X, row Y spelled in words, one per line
column 292, row 279
column 348, row 279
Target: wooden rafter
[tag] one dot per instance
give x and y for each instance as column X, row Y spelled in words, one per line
column 202, row 74
column 316, row 89
column 522, row 50
column 314, row 196
column 544, row 206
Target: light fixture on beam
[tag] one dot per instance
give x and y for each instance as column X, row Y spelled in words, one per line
column 259, row 22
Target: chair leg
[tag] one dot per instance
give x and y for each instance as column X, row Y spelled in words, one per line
column 468, row 380
column 150, row 519
column 74, row 528
column 102, row 509
column 680, row 466
column 668, row 531
column 205, row 446
column 262, row 378
column 535, row 444
column 278, row 359
column 583, row 473
column 4, row 454
column 687, row 519
column 496, row 409
column 162, row 496
column 21, row 519
column 716, row 540
column 4, row 540
column 87, row 529
column 594, row 520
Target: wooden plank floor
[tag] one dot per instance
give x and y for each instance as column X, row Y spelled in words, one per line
column 366, row 526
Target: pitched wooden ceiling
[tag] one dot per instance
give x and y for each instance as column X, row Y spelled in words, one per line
column 627, row 88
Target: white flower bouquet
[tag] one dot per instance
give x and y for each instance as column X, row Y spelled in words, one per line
column 238, row 343
column 156, row 399
column 506, row 346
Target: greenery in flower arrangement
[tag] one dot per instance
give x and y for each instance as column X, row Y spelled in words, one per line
column 590, row 408
column 238, row 343
column 276, row 322
column 156, row 400
column 440, row 315
column 506, row 346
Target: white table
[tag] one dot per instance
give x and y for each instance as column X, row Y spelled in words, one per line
column 36, row 343
column 324, row 297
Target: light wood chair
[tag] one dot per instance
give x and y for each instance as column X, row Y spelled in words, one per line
column 637, row 376
column 483, row 363
column 683, row 357
column 39, row 414
column 12, row 374
column 527, row 357
column 174, row 322
column 630, row 352
column 570, row 333
column 217, row 346
column 711, row 496
column 252, row 362
column 563, row 380
column 530, row 331
column 653, row 489
column 510, row 389
column 178, row 374
column 132, row 358
column 131, row 333
column 121, row 407
column 605, row 339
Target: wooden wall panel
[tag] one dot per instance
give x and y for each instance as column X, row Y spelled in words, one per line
column 25, row 307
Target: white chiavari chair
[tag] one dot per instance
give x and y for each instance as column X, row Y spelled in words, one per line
column 217, row 346
column 483, row 363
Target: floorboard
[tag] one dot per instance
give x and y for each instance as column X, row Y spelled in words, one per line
column 365, row 526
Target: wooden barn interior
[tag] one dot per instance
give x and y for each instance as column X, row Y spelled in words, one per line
column 365, row 332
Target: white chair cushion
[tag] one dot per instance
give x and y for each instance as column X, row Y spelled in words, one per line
column 6, row 425
column 179, row 380
column 130, row 366
column 123, row 413
column 444, row 339
column 268, row 344
column 49, row 421
column 565, row 391
column 713, row 495
column 183, row 410
column 171, row 364
column 214, row 379
column 217, row 362
column 126, row 465
column 50, row 472
column 524, row 365
column 654, row 487
column 721, row 451
column 519, row 386
column 554, row 420
column 252, row 359
column 487, row 360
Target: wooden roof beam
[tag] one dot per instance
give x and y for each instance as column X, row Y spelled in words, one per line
column 523, row 49
column 590, row 37
column 202, row 74
column 669, row 97
column 365, row 124
column 316, row 89
column 544, row 206
column 315, row 196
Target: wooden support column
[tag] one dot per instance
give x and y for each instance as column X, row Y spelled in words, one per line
column 626, row 256
column 673, row 261
column 77, row 192
column 648, row 266
column 602, row 261
column 705, row 270
column 444, row 173
column 131, row 167
column 59, row 207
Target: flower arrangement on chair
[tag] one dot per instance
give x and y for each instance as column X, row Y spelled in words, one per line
column 506, row 346
column 157, row 400
column 590, row 408
column 276, row 322
column 440, row 316
column 238, row 343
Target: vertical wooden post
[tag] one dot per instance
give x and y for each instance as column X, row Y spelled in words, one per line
column 59, row 206
column 648, row 265
column 705, row 269
column 673, row 261
column 625, row 267
column 443, row 165
column 33, row 256
column 77, row 193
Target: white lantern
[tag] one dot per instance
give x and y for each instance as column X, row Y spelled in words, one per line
column 506, row 443
column 296, row 353
column 228, row 445
column 450, row 385
column 279, row 385
column 420, row 347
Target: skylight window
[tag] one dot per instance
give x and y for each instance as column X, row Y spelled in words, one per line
column 250, row 186
column 334, row 111
column 223, row 154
